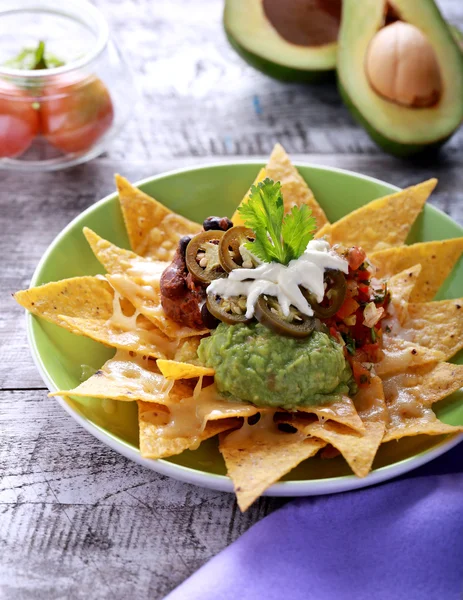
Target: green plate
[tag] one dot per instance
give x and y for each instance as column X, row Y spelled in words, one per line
column 198, row 193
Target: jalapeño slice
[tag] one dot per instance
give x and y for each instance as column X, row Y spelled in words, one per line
column 268, row 313
column 335, row 292
column 229, row 248
column 202, row 256
column 229, row 310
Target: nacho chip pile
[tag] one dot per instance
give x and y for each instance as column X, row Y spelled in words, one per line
column 156, row 365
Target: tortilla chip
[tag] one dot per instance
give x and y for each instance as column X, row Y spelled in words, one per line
column 126, row 378
column 187, row 349
column 255, row 464
column 325, row 230
column 294, row 188
column 130, row 378
column 435, row 325
column 437, row 259
column 382, row 223
column 84, row 297
column 422, row 386
column 358, row 449
column 138, row 279
column 342, row 411
column 370, row 401
column 192, row 415
column 113, row 258
column 172, row 369
column 236, row 218
column 155, row 444
column 401, row 286
column 399, row 355
column 85, row 306
column 206, row 405
column 425, row 424
column 153, row 229
column 118, row 261
column 146, row 339
column 147, row 300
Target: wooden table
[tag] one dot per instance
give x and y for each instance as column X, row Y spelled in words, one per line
column 76, row 519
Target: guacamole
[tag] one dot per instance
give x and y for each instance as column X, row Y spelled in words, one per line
column 252, row 363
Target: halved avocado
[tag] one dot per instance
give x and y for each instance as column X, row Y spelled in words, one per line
column 400, row 129
column 291, row 40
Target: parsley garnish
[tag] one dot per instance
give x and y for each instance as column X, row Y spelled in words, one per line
column 373, row 335
column 279, row 237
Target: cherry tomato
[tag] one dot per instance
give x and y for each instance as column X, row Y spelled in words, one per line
column 19, row 121
column 75, row 113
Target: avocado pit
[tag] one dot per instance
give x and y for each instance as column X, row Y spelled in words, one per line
column 402, row 67
column 305, row 22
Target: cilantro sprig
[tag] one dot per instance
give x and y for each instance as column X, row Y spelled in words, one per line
column 279, row 237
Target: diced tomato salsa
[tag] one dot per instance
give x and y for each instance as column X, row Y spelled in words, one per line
column 365, row 302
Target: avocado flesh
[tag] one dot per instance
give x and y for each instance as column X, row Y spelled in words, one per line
column 257, row 41
column 398, row 129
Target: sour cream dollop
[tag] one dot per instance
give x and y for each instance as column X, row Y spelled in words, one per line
column 283, row 281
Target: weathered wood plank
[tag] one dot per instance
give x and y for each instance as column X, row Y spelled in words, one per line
column 72, row 511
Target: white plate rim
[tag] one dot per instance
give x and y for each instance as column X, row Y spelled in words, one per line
column 214, row 481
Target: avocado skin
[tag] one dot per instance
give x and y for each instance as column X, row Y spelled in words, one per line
column 280, row 72
column 457, row 34
column 388, row 145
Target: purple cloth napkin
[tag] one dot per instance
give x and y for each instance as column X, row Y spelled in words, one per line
column 399, row 540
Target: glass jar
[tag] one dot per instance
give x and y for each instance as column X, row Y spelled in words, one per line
column 69, row 112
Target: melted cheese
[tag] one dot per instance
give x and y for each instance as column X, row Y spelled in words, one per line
column 130, row 331
column 129, row 288
column 395, row 357
column 148, row 272
column 265, row 431
column 136, row 373
column 148, row 299
column 189, row 416
column 403, row 397
column 370, row 401
column 119, row 319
